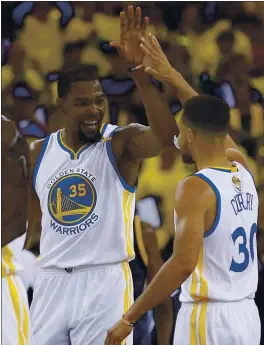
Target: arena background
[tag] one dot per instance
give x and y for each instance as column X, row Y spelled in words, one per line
column 217, row 46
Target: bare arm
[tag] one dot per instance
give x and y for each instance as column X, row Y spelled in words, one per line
column 163, row 313
column 146, row 141
column 14, row 157
column 34, row 210
column 157, row 65
column 187, row 247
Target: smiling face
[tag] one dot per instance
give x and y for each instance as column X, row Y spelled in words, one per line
column 84, row 108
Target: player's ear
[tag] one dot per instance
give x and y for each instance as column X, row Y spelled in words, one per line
column 191, row 135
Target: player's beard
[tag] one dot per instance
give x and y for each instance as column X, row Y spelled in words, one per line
column 86, row 140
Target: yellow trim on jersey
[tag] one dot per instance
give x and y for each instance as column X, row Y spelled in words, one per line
column 140, row 243
column 127, row 201
column 7, row 257
column 13, row 290
column 25, row 322
column 233, row 169
column 128, row 289
column 200, row 300
column 204, row 298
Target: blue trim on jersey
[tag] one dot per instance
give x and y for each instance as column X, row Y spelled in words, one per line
column 113, row 162
column 103, row 129
column 39, row 160
column 81, row 151
column 218, row 199
column 71, row 153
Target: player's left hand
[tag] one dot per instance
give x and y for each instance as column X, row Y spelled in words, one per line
column 132, row 29
column 117, row 333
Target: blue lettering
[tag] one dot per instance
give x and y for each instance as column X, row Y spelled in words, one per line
column 53, row 224
column 65, row 231
column 73, row 231
column 94, row 217
column 242, row 202
column 59, row 230
column 82, row 227
column 233, row 203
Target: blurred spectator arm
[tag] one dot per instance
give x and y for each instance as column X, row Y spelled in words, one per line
column 34, row 210
column 163, row 313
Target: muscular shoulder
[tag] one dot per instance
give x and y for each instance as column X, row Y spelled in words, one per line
column 123, row 135
column 128, row 131
column 193, row 192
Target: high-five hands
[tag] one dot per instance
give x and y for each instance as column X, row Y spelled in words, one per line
column 132, row 29
column 155, row 62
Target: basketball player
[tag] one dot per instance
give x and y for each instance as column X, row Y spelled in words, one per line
column 15, row 312
column 83, row 180
column 216, row 210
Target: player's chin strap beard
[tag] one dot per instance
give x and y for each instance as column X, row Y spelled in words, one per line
column 84, row 140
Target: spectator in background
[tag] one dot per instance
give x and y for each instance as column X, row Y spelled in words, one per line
column 208, row 58
column 189, row 31
column 247, row 116
column 42, row 38
column 81, row 27
column 157, row 26
column 16, row 71
column 159, row 177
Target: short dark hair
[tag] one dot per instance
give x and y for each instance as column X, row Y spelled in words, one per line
column 207, row 113
column 224, row 36
column 67, row 78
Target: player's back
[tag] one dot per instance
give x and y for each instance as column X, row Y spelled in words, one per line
column 227, row 267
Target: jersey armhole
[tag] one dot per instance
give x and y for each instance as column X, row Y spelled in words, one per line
column 218, row 202
column 114, row 164
column 39, row 160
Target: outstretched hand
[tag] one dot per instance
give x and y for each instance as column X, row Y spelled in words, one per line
column 132, row 29
column 155, row 62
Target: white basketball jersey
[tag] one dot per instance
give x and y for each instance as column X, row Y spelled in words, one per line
column 227, row 268
column 87, row 208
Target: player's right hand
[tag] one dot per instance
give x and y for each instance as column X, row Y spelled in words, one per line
column 132, row 29
column 155, row 61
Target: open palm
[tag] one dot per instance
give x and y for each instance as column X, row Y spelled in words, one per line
column 131, row 31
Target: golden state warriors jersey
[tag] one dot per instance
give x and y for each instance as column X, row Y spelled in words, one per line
column 227, row 268
column 87, row 208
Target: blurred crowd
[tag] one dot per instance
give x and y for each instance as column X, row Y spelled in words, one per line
column 217, row 46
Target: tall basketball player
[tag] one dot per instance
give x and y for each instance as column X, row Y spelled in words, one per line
column 216, row 211
column 15, row 311
column 83, row 181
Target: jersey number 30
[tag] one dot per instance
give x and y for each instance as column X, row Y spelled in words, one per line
column 243, row 250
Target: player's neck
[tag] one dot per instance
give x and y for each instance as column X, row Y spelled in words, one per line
column 212, row 157
column 71, row 139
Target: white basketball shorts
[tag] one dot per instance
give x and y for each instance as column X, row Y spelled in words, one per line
column 235, row 323
column 77, row 306
column 16, row 328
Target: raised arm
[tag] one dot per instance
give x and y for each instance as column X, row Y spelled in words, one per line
column 145, row 141
column 156, row 64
